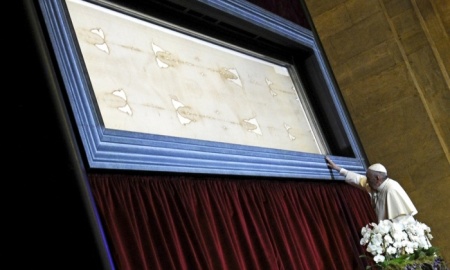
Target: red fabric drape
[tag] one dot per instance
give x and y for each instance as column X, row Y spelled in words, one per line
column 173, row 222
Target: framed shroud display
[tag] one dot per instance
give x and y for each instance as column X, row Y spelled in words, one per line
column 233, row 90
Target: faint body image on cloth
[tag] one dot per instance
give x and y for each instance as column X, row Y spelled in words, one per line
column 150, row 79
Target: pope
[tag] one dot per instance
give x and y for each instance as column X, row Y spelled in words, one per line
column 389, row 199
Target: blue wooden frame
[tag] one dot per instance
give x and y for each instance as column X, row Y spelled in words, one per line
column 124, row 150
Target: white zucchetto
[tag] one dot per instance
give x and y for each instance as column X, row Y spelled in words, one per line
column 378, row 168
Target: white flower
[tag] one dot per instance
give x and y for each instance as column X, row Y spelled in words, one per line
column 409, row 247
column 385, row 226
column 377, row 239
column 374, row 249
column 398, row 236
column 395, row 238
column 364, row 240
column 379, row 258
column 391, row 250
column 365, row 230
column 388, row 239
column 398, row 244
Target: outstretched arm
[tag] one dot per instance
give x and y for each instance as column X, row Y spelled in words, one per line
column 352, row 178
column 331, row 164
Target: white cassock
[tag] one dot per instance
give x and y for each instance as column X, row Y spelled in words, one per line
column 389, row 201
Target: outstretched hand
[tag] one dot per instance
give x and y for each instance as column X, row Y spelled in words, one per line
column 331, row 164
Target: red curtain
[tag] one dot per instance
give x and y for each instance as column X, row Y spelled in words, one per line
column 191, row 222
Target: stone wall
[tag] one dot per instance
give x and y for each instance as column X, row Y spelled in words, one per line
column 391, row 60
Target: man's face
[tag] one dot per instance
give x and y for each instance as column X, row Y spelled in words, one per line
column 372, row 179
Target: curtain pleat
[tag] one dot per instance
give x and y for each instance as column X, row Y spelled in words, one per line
column 189, row 222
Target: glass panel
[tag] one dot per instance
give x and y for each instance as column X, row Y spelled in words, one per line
column 151, row 79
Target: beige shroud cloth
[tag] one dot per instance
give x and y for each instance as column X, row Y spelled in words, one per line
column 390, row 201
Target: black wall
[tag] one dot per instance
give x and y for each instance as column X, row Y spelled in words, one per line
column 50, row 227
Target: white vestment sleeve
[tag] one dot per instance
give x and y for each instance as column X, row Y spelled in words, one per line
column 355, row 179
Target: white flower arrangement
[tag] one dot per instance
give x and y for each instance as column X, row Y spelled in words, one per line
column 398, row 243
